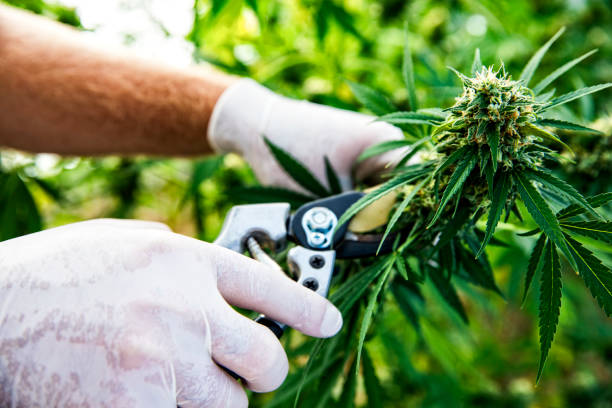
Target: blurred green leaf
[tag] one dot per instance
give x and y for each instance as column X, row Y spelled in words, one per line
column 534, row 62
column 448, row 292
column 383, row 147
column 332, row 178
column 372, row 99
column 408, row 72
column 560, row 71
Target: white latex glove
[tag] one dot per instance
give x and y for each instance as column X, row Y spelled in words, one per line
column 115, row 313
column 247, row 111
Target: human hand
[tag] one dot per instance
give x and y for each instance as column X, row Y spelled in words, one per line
column 247, row 112
column 113, row 313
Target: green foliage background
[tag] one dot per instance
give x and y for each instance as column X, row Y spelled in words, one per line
column 308, row 49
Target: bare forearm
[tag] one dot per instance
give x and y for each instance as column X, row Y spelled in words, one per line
column 60, row 94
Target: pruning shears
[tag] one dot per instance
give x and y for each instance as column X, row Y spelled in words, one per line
column 314, row 230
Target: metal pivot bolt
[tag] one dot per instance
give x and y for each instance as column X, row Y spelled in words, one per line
column 319, row 224
column 317, row 261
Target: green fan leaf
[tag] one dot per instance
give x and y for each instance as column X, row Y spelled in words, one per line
column 534, row 62
column 561, row 124
column 574, row 210
column 542, row 214
column 599, row 230
column 454, row 157
column 534, row 265
column 550, row 301
column 383, row 147
column 369, row 312
column 296, row 170
column 411, row 118
column 596, row 276
column 372, row 99
column 559, row 186
column 560, row 71
column 400, row 210
column 498, row 203
column 461, row 173
column 448, row 292
column 568, row 97
column 408, row 73
column 368, row 199
column 352, row 289
column 544, row 134
column 332, row 178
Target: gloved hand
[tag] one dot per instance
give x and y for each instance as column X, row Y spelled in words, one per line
column 247, row 111
column 112, row 313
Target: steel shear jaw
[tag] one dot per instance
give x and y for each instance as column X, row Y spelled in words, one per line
column 313, row 228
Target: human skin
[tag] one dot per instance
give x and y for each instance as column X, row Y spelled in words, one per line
column 60, row 93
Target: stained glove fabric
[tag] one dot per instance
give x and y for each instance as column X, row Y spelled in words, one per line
column 112, row 313
column 247, row 111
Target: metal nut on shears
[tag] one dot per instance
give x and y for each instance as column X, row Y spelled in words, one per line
column 319, row 224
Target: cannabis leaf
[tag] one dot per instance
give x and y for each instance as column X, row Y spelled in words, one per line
column 332, row 178
column 498, row 203
column 560, row 71
column 369, row 312
column 461, row 173
column 570, row 96
column 598, row 230
column 408, row 72
column 410, row 118
column 596, row 276
column 535, row 264
column 560, row 187
column 575, row 209
column 562, row 124
column 542, row 214
column 533, row 63
column 297, row 171
column 550, row 301
column 372, row 99
column 383, row 147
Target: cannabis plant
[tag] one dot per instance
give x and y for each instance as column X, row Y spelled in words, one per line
column 481, row 160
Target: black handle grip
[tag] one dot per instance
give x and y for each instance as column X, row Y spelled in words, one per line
column 274, row 328
column 272, row 325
